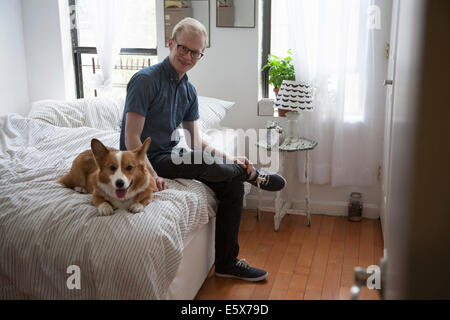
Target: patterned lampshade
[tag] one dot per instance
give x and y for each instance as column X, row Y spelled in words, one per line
column 295, row 96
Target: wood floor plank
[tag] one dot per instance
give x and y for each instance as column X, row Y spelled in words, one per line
column 287, row 264
column 256, row 253
column 259, row 231
column 296, row 239
column 314, row 262
column 306, row 255
column 280, row 286
column 280, row 243
column 344, row 293
column 330, row 290
column 248, row 224
column 318, row 266
column 351, row 253
column 366, row 254
column 299, row 226
column 366, row 244
column 296, row 290
column 368, row 294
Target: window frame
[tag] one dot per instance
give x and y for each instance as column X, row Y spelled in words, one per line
column 266, row 36
column 77, row 51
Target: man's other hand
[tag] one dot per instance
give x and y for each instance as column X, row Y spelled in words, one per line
column 160, row 183
column 244, row 163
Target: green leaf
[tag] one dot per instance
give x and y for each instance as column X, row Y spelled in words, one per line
column 279, row 69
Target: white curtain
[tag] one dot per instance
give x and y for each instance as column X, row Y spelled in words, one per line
column 334, row 49
column 106, row 20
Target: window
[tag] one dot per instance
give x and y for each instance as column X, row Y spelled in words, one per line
column 279, row 36
column 266, row 25
column 341, row 64
column 275, row 39
column 138, row 47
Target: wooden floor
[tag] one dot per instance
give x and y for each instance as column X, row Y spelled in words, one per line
column 303, row 263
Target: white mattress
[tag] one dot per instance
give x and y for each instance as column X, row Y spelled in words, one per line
column 198, row 257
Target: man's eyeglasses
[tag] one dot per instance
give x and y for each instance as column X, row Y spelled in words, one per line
column 183, row 50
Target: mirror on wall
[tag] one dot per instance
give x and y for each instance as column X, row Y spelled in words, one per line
column 235, row 13
column 175, row 11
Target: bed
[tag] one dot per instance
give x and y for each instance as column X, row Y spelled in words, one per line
column 53, row 244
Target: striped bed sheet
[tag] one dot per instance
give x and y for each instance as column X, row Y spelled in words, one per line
column 46, row 229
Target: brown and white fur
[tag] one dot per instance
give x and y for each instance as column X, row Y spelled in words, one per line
column 116, row 179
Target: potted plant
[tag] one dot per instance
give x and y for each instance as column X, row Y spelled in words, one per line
column 279, row 69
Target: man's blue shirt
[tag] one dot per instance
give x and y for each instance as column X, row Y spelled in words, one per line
column 165, row 101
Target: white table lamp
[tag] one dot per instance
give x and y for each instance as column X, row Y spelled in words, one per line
column 295, row 97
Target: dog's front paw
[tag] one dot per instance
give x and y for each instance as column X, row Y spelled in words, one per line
column 136, row 207
column 105, row 209
column 80, row 190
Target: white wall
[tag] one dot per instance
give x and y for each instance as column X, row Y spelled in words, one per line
column 14, row 95
column 48, row 63
column 228, row 71
column 35, row 51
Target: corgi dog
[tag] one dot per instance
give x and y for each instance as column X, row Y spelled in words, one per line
column 116, row 179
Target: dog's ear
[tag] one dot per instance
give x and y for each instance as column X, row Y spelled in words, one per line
column 142, row 150
column 98, row 150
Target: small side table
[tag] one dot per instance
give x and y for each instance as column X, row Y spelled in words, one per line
column 285, row 207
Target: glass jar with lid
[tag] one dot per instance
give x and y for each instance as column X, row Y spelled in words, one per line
column 355, row 207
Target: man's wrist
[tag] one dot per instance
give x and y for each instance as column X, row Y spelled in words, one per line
column 152, row 172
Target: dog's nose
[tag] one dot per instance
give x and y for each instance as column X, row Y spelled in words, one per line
column 120, row 183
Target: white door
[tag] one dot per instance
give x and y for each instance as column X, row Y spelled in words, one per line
column 418, row 220
column 390, row 88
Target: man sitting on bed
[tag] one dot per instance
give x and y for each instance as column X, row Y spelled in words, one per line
column 159, row 98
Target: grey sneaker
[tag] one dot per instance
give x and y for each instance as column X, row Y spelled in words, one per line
column 241, row 269
column 268, row 181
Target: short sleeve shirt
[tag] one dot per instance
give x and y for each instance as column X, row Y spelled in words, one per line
column 165, row 101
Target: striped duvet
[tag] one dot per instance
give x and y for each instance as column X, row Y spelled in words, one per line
column 45, row 228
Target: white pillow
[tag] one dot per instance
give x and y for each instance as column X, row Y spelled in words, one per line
column 212, row 111
column 100, row 113
column 106, row 113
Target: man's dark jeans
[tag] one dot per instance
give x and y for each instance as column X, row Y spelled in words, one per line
column 226, row 180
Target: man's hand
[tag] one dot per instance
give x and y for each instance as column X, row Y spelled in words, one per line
column 244, row 163
column 160, row 183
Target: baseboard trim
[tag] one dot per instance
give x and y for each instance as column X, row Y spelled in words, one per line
column 329, row 208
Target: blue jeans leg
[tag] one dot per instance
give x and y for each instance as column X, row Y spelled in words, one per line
column 198, row 166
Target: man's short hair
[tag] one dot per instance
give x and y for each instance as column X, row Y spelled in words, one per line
column 192, row 26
